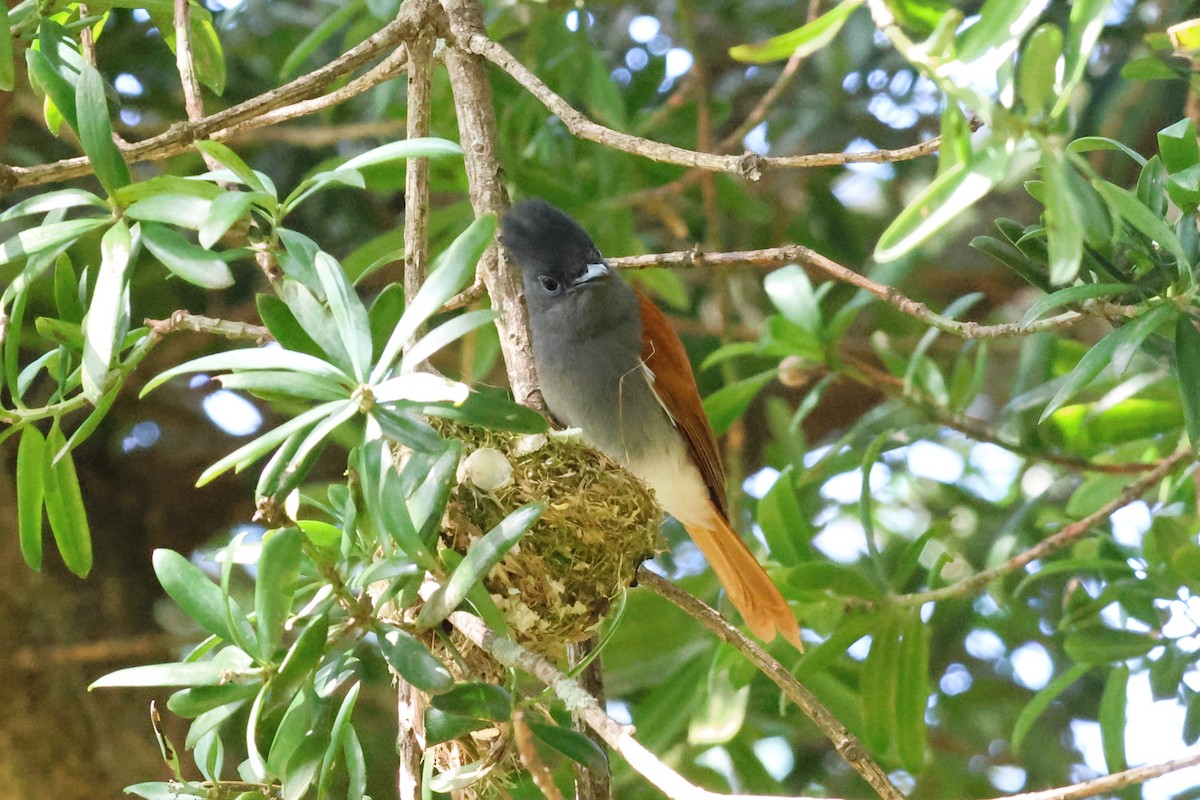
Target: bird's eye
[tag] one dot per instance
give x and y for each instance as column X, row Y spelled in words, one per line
column 549, row 284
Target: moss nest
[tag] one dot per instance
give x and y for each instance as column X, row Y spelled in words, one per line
column 600, row 523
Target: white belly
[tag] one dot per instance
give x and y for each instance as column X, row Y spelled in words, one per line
column 676, row 482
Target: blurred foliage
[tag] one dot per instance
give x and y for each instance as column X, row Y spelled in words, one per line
column 881, row 460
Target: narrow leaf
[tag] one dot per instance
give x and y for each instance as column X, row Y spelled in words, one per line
column 195, row 593
column 1112, row 718
column 806, row 39
column 95, row 131
column 413, row 662
column 482, row 556
column 278, row 570
column 31, row 468
column 64, row 508
column 108, row 314
column 193, row 264
column 1187, row 365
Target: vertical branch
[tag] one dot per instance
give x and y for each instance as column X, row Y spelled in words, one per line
column 410, row 739
column 411, row 702
column 590, row 784
column 477, row 131
column 416, row 181
column 192, row 101
column 87, row 42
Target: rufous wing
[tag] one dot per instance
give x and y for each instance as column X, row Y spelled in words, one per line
column 750, row 589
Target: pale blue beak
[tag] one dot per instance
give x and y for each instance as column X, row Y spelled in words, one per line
column 593, row 272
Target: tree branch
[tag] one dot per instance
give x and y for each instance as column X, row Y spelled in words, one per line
column 179, row 138
column 183, row 320
column 749, row 165
column 1051, row 544
column 847, row 746
column 799, row 254
column 477, row 128
column 617, row 736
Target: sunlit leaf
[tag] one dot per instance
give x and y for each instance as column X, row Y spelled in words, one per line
column 806, row 39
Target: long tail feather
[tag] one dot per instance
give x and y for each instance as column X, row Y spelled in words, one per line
column 750, row 588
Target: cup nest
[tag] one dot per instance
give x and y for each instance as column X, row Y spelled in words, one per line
column 555, row 586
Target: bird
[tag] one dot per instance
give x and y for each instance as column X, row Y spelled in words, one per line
column 609, row 364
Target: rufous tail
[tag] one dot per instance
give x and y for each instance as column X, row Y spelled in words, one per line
column 750, row 588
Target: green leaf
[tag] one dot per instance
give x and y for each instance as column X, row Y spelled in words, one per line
column 413, row 662
column 318, row 36
column 192, row 263
column 1042, row 700
column 276, row 384
column 1069, row 296
column 107, row 318
column 194, row 702
column 53, row 201
column 792, row 293
column 1187, row 366
column 948, row 196
column 444, row 335
column 877, row 685
column 1064, row 233
column 231, row 161
column 1001, row 26
column 95, row 131
column 248, row 453
column 1136, row 332
column 783, row 523
column 356, row 766
column 489, row 408
column 384, row 315
column 284, row 326
column 42, row 238
column 64, row 508
column 806, row 39
column 441, row 726
column 207, row 56
column 30, row 476
column 204, row 673
column 729, row 402
column 450, row 273
column 198, row 596
column 349, row 314
column 302, row 657
column 420, row 147
column 250, row 358
column 1177, row 146
column 476, row 699
column 1112, row 718
column 572, row 744
column 45, row 75
column 1038, row 68
column 182, row 209
column 7, row 71
column 1097, row 644
column 1092, row 364
column 1127, row 206
column 481, row 557
column 318, row 323
column 337, row 735
column 912, row 694
column 1087, row 21
column 278, row 570
column 224, row 212
column 1087, row 144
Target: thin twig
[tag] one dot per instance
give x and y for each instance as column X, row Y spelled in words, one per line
column 847, row 746
column 1051, row 544
column 1109, row 783
column 869, row 376
column 179, row 138
column 87, row 40
column 748, row 165
column 183, row 320
column 799, row 254
column 617, row 736
column 193, row 103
